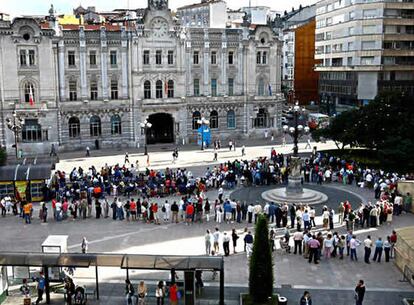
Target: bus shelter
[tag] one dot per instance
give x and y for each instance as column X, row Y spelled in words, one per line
column 24, row 181
column 188, row 264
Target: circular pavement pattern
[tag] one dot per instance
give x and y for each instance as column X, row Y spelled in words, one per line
column 254, row 194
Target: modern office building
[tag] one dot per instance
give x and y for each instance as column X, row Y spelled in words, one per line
column 299, row 79
column 77, row 84
column 365, row 47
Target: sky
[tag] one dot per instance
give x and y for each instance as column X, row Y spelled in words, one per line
column 41, row 7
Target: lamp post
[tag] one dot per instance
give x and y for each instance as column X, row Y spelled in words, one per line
column 15, row 125
column 203, row 123
column 145, row 125
column 297, row 130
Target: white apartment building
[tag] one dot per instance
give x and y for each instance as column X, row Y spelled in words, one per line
column 365, row 47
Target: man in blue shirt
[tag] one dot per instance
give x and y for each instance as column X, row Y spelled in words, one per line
column 41, row 285
column 379, row 244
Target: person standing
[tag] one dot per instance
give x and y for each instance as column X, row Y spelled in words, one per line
column 160, row 293
column 88, row 151
column 226, row 244
column 248, row 240
column 216, row 238
column 41, row 285
column 313, row 250
column 367, row 249
column 393, row 240
column 27, row 211
column 234, row 238
column 173, row 294
column 379, row 244
column 359, row 292
column 306, row 299
column 353, row 244
column 84, row 245
column 387, row 249
column 298, row 239
column 243, row 151
column 142, row 293
column 207, row 239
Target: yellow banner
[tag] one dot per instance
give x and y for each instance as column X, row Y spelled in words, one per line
column 21, row 187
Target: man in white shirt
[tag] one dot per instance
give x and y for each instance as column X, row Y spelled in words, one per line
column 353, row 244
column 298, row 238
column 367, row 249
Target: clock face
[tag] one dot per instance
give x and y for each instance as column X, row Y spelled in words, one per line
column 159, row 27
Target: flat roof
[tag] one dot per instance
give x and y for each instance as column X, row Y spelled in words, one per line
column 123, row 261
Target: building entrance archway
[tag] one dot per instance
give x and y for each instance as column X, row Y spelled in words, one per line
column 162, row 129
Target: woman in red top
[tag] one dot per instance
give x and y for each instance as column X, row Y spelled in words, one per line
column 173, row 294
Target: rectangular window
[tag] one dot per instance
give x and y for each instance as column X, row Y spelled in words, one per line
column 170, row 57
column 146, row 57
column 367, row 60
column 92, row 58
column 264, row 58
column 351, row 30
column 31, row 57
column 196, row 87
column 195, row 58
column 351, row 15
column 73, row 92
column 368, row 45
column 369, row 13
column 213, row 87
column 158, row 57
column 349, row 62
column 23, row 58
column 114, row 89
column 94, row 91
column 230, row 84
column 231, row 57
column 369, row 29
column 113, row 58
column 213, row 57
column 31, row 131
column 71, row 58
column 258, row 58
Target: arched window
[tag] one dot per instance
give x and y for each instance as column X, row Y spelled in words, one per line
column 74, row 127
column 95, row 126
column 158, row 89
column 231, row 119
column 196, row 117
column 260, row 121
column 116, row 124
column 29, row 91
column 147, row 89
column 170, row 89
column 261, row 88
column 32, row 131
column 214, row 119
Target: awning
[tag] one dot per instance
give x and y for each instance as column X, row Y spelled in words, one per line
column 124, row 261
column 25, row 172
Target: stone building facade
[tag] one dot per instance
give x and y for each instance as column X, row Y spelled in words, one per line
column 99, row 82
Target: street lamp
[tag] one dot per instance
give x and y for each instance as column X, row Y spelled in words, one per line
column 203, row 123
column 297, row 130
column 145, row 125
column 15, row 125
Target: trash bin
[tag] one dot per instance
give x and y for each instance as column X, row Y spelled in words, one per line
column 282, row 301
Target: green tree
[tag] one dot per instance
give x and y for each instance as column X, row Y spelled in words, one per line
column 342, row 130
column 261, row 266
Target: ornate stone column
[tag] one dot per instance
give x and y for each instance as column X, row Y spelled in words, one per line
column 104, row 63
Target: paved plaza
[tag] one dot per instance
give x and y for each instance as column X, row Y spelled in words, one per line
column 330, row 282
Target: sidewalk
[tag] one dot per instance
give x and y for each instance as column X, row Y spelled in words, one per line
column 186, row 158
